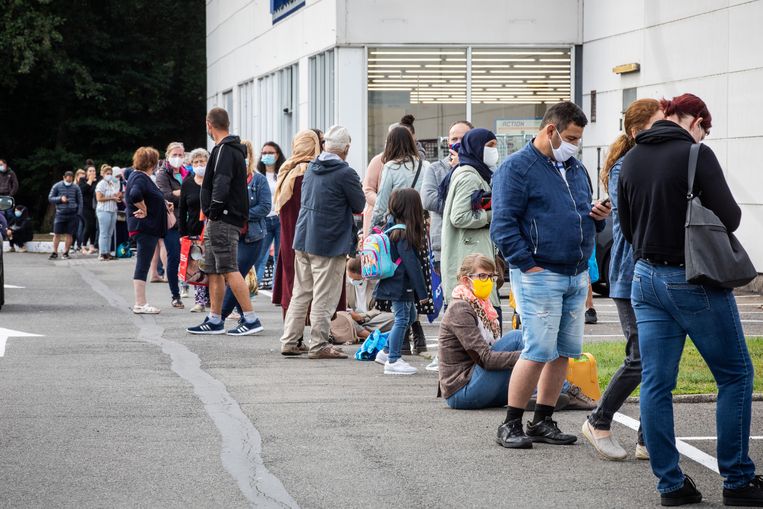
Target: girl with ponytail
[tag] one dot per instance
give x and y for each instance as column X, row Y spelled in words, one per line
column 639, row 116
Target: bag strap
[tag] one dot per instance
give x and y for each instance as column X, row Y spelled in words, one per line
column 693, row 156
column 393, row 228
column 416, row 178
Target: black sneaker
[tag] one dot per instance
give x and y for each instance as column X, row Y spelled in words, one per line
column 65, row 256
column 749, row 496
column 590, row 316
column 512, row 436
column 548, row 432
column 207, row 327
column 53, row 256
column 246, row 329
column 686, row 494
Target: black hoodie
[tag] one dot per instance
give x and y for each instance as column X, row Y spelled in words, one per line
column 223, row 191
column 652, row 192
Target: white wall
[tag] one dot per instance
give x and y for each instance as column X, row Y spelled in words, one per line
column 501, row 22
column 708, row 47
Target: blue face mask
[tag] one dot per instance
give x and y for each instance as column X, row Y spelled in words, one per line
column 268, row 159
column 18, row 213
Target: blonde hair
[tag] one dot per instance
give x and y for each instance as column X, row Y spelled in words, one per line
column 105, row 168
column 79, row 173
column 172, row 146
column 473, row 262
column 251, row 164
column 636, row 117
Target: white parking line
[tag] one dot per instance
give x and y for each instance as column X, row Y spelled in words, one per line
column 13, row 286
column 687, row 450
column 698, row 439
column 265, row 293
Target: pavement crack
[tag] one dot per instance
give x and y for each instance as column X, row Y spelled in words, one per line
column 241, row 447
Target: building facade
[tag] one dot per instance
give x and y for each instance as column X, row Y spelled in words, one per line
column 279, row 66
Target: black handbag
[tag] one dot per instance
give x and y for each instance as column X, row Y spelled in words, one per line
column 713, row 255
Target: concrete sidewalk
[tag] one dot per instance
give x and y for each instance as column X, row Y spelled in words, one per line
column 102, row 412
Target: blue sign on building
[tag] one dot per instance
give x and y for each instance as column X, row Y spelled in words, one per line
column 283, row 8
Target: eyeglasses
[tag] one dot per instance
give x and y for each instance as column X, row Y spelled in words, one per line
column 483, row 276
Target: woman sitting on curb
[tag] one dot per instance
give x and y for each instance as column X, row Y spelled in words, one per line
column 475, row 362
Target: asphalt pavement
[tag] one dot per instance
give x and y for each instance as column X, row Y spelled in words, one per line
column 109, row 409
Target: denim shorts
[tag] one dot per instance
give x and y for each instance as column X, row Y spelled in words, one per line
column 553, row 313
column 220, row 247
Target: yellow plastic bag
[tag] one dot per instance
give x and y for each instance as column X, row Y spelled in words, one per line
column 583, row 373
column 251, row 282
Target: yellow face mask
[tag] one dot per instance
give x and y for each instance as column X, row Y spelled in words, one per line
column 482, row 289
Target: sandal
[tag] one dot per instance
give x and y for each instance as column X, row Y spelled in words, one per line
column 145, row 309
column 177, row 303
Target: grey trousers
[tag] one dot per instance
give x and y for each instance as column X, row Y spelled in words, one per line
column 627, row 378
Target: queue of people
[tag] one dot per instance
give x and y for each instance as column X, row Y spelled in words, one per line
column 529, row 222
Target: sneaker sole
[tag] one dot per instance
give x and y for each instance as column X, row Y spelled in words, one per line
column 551, row 441
column 206, row 333
column 520, row 445
column 671, row 502
column 736, row 502
column 247, row 333
column 592, row 441
column 398, row 373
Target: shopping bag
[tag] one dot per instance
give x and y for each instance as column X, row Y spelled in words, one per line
column 593, row 267
column 373, row 344
column 437, row 296
column 583, row 373
column 191, row 254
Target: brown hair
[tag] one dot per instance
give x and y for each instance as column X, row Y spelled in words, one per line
column 405, row 207
column 474, row 261
column 400, row 146
column 354, row 265
column 218, row 117
column 465, row 122
column 636, row 117
column 251, row 165
column 407, row 122
column 145, row 158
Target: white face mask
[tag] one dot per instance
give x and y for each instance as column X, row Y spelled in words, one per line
column 356, row 282
column 565, row 150
column 490, row 156
column 199, row 170
column 176, row 162
column 109, row 178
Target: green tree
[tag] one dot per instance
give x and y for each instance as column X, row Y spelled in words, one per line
column 96, row 79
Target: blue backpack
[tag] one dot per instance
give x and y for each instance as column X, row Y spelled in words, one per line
column 376, row 257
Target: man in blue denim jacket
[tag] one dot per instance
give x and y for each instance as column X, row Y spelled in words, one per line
column 545, row 226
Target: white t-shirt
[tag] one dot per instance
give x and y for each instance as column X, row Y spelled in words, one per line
column 562, row 169
column 361, row 306
column 272, row 185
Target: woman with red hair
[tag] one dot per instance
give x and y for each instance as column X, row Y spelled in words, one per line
column 652, row 194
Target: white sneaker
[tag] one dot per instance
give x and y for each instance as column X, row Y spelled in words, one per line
column 184, row 293
column 381, row 357
column 234, row 316
column 641, row 452
column 198, row 308
column 145, row 309
column 434, row 365
column 399, row 367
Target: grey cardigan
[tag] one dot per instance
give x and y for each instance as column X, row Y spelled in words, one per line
column 430, row 199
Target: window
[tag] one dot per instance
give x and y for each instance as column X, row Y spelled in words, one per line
column 276, row 111
column 228, row 104
column 321, row 72
column 245, row 112
column 502, row 89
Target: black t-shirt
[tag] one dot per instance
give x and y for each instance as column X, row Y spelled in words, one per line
column 190, row 207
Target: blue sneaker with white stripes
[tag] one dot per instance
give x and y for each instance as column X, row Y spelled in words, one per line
column 246, row 329
column 207, row 327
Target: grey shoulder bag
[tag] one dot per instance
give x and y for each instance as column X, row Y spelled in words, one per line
column 713, row 255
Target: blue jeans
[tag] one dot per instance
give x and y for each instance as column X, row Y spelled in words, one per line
column 107, row 222
column 485, row 388
column 246, row 256
column 552, row 307
column 667, row 310
column 172, row 244
column 272, row 236
column 405, row 314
